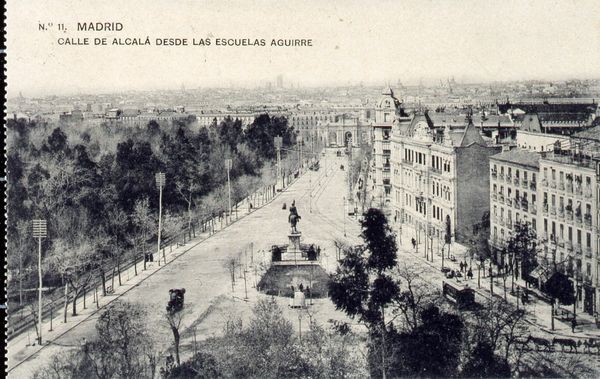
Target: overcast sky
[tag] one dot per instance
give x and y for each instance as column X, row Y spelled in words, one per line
column 368, row 41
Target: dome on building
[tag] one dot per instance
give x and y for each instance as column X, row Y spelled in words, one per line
column 386, row 101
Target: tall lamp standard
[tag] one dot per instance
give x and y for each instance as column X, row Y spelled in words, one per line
column 40, row 231
column 278, row 142
column 344, row 218
column 228, row 165
column 160, row 182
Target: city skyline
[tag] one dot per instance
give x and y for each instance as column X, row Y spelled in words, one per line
column 490, row 42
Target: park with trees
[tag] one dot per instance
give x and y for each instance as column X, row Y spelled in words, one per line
column 95, row 186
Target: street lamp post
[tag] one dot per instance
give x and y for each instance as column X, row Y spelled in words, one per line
column 228, row 165
column 160, row 182
column 344, row 216
column 40, row 231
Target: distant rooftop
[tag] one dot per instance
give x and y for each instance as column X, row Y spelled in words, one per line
column 519, row 156
column 589, row 134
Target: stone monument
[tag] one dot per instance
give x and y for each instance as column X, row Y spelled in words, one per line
column 294, row 235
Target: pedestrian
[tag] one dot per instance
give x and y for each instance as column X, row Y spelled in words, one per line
column 470, row 274
column 573, row 324
column 301, row 287
column 293, row 288
column 414, row 243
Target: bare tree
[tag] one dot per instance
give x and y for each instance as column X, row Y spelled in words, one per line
column 144, row 224
column 187, row 190
column 499, row 324
column 231, row 265
column 76, row 264
column 175, row 320
column 415, row 294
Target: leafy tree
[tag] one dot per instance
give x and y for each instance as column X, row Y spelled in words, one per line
column 522, row 244
column 484, row 363
column 560, row 287
column 361, row 285
column 432, row 349
column 57, row 142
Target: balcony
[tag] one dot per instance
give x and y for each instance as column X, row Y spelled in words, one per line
column 553, row 210
column 552, row 184
column 525, row 183
column 561, row 213
column 544, row 183
column 569, row 214
column 587, row 219
column 508, row 178
column 569, row 245
column 578, row 190
column 569, row 187
column 509, row 202
column 517, row 204
column 587, row 192
column 501, row 222
column 533, row 186
column 494, row 175
column 501, row 176
column 545, row 210
column 577, row 249
column 516, row 181
column 495, row 196
column 578, row 218
column 587, row 279
column 533, row 209
column 501, row 199
column 561, row 186
column 588, row 252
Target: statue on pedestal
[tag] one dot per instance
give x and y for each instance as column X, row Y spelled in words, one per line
column 293, row 218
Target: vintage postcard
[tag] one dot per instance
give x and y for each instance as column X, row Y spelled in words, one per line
column 302, row 189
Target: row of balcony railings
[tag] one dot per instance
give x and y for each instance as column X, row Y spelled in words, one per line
column 568, row 186
column 516, row 181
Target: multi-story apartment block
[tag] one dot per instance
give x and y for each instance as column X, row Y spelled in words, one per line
column 385, row 113
column 513, row 193
column 429, row 197
column 567, row 217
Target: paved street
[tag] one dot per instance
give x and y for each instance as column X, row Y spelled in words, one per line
column 201, row 269
column 319, row 199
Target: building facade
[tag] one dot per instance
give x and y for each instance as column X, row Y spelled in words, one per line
column 567, row 218
column 380, row 163
column 430, row 200
column 513, row 194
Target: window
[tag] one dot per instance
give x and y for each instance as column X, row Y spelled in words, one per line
column 588, row 240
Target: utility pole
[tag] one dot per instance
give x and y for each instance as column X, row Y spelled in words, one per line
column 40, row 231
column 160, row 182
column 278, row 141
column 245, row 286
column 228, row 165
column 310, row 191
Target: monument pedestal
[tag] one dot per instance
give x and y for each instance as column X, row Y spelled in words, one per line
column 293, row 251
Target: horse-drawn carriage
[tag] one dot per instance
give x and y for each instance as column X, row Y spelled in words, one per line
column 175, row 303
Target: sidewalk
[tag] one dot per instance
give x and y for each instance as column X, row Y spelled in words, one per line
column 24, row 345
column 538, row 310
